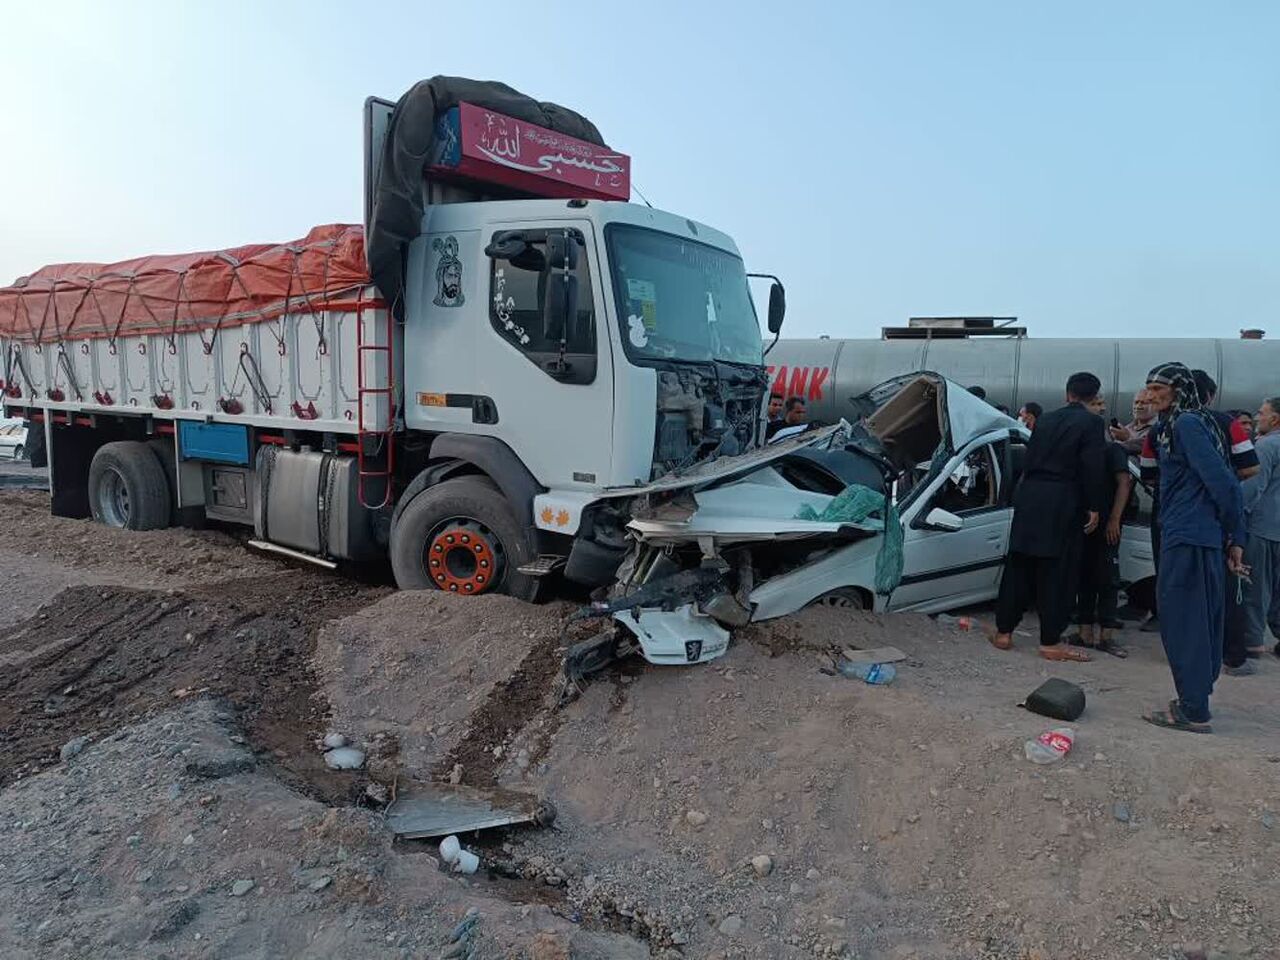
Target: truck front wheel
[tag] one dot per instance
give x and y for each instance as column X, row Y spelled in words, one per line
column 461, row 536
column 128, row 488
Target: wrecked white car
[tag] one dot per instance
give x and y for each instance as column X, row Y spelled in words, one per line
column 926, row 461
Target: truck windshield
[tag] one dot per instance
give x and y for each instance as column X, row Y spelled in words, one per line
column 681, row 300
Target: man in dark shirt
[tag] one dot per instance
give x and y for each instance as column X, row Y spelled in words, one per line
column 1029, row 413
column 1059, row 499
column 1096, row 601
column 794, row 421
column 776, row 400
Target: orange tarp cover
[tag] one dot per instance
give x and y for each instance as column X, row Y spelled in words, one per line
column 183, row 292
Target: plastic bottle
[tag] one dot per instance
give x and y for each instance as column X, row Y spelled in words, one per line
column 874, row 673
column 459, row 859
column 960, row 623
column 1051, row 746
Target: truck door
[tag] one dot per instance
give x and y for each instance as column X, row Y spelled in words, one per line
column 547, row 394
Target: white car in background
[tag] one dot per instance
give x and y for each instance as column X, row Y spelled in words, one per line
column 13, row 439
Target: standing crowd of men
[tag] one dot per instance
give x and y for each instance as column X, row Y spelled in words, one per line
column 1215, row 530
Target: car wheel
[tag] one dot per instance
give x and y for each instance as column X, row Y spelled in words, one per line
column 461, row 536
column 842, row 598
column 128, row 488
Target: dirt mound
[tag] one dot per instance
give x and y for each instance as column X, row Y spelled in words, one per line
column 96, row 656
column 152, row 557
column 832, row 629
column 448, row 678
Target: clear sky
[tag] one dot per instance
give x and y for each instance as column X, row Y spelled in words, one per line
column 1097, row 169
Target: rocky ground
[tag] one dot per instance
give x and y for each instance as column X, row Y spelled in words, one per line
column 162, row 791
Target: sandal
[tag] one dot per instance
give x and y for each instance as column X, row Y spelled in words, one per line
column 1060, row 653
column 1006, row 644
column 1172, row 718
column 1108, row 645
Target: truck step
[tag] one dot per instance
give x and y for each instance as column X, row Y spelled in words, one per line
column 294, row 554
column 546, row 564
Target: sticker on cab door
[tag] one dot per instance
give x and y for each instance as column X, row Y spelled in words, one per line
column 448, row 273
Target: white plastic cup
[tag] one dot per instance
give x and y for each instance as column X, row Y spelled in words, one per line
column 467, row 862
column 450, row 849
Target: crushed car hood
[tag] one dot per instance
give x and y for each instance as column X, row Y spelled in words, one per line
column 722, row 469
column 762, row 506
column 915, row 419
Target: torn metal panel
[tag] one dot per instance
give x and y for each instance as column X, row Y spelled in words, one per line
column 679, row 636
column 848, row 565
column 726, row 468
column 426, row 810
column 758, row 507
column 893, row 409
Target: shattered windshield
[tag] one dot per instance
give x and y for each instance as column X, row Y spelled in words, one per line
column 681, row 300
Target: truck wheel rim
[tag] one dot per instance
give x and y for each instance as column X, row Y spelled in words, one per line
column 113, row 499
column 464, row 557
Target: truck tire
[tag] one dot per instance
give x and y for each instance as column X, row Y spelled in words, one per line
column 192, row 518
column 461, row 536
column 128, row 487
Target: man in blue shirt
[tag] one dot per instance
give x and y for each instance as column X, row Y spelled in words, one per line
column 1257, row 603
column 1202, row 537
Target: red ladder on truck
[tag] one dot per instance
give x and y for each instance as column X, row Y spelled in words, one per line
column 380, row 467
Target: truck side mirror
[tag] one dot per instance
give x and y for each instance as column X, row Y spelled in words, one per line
column 777, row 307
column 560, row 304
column 506, row 245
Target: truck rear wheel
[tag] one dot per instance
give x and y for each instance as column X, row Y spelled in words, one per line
column 461, row 536
column 128, row 487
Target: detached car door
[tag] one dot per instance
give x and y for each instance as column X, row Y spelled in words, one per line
column 946, row 568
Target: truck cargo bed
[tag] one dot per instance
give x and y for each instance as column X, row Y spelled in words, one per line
column 300, row 370
column 281, row 335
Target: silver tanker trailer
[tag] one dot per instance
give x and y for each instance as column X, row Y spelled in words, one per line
column 1015, row 370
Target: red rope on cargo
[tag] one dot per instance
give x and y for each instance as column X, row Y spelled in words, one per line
column 45, row 315
column 74, row 313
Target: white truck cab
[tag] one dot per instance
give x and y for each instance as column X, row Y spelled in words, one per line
column 663, row 337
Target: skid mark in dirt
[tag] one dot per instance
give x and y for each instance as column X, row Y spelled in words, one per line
column 96, row 657
column 529, row 691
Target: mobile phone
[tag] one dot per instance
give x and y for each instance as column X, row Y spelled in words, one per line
column 1115, row 422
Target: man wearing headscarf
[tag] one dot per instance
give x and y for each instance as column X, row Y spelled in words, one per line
column 1057, row 502
column 1201, row 519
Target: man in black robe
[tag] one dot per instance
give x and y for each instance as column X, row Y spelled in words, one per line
column 1058, row 501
